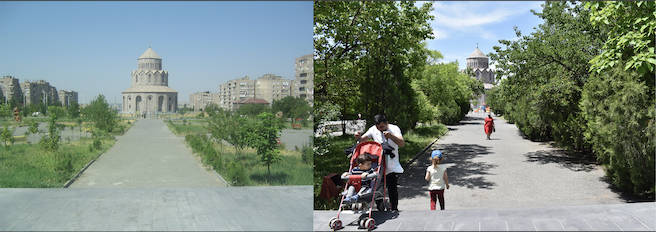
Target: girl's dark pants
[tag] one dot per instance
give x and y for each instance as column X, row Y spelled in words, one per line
column 440, row 197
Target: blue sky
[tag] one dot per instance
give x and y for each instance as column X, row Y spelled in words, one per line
column 92, row 47
column 459, row 25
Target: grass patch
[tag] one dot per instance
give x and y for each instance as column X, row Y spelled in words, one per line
column 249, row 171
column 335, row 160
column 181, row 129
column 28, row 166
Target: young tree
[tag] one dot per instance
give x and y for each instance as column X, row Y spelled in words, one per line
column 50, row 142
column 5, row 110
column 264, row 139
column 103, row 116
column 74, row 110
column 33, row 128
column 233, row 129
column 7, row 135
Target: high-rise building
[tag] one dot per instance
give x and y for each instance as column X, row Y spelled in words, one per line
column 40, row 91
column 304, row 78
column 238, row 89
column 200, row 100
column 271, row 87
column 67, row 96
column 9, row 88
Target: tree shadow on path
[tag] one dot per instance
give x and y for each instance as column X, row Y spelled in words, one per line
column 462, row 170
column 572, row 161
column 470, row 121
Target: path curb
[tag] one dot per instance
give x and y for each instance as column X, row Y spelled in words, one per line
column 80, row 172
column 422, row 151
column 220, row 177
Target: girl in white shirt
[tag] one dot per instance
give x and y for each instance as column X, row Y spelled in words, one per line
column 438, row 179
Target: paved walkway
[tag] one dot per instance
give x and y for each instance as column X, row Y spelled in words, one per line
column 281, row 208
column 149, row 181
column 148, row 155
column 614, row 217
column 507, row 175
column 507, row 171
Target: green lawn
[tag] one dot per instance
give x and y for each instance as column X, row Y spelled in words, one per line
column 28, row 166
column 181, row 129
column 336, row 162
column 290, row 170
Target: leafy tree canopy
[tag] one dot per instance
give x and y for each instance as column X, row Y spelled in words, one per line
column 631, row 38
column 292, row 107
column 253, row 109
column 103, row 116
column 367, row 54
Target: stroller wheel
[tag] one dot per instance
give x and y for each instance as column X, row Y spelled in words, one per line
column 361, row 223
column 380, row 207
column 335, row 224
column 370, row 224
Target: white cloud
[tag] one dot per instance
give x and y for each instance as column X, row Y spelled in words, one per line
column 461, row 15
column 476, row 17
column 439, row 34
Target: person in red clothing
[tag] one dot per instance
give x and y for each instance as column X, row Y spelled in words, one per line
column 489, row 125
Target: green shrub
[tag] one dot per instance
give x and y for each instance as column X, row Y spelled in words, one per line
column 619, row 110
column 236, row 174
column 96, row 143
column 65, row 161
column 307, row 153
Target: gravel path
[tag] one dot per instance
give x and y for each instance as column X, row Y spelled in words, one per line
column 505, row 172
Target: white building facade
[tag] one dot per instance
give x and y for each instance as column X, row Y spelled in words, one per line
column 150, row 92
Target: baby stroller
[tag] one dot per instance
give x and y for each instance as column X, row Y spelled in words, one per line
column 378, row 190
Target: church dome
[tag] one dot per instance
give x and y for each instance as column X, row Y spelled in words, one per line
column 475, row 54
column 150, row 54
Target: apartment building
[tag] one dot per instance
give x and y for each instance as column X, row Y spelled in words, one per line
column 271, row 87
column 304, row 78
column 198, row 101
column 238, row 89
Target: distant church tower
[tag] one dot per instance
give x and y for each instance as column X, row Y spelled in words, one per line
column 480, row 65
column 150, row 91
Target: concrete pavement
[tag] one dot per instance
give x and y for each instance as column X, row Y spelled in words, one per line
column 612, row 217
column 149, row 181
column 507, row 183
column 507, row 171
column 280, row 208
column 148, row 155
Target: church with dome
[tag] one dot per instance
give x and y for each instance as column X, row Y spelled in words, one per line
column 150, row 91
column 479, row 63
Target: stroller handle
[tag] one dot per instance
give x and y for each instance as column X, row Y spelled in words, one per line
column 368, row 177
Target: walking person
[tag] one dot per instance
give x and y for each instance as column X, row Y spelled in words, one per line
column 438, row 179
column 381, row 132
column 489, row 125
